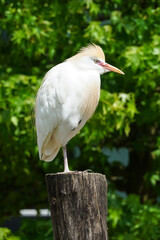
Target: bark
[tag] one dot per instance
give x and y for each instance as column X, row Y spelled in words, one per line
column 78, row 202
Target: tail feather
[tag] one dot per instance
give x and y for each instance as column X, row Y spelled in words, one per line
column 50, row 148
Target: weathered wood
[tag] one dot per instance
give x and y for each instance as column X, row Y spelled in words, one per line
column 78, row 202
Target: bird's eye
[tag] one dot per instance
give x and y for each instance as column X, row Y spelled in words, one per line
column 96, row 61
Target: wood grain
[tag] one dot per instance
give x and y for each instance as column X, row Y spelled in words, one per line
column 78, row 202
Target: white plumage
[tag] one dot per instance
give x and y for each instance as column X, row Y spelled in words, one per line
column 67, row 98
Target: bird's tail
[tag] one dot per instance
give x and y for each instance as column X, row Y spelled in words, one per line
column 50, row 148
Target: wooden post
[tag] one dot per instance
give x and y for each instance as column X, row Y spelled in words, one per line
column 78, row 202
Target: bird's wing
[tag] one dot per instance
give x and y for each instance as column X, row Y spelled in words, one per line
column 66, row 98
column 49, row 101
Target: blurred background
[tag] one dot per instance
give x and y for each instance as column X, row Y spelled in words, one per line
column 122, row 140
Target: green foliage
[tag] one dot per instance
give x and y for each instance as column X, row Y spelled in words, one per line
column 17, row 137
column 6, row 234
column 36, row 229
column 33, row 229
column 128, row 219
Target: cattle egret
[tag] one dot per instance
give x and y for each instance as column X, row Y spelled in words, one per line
column 67, row 98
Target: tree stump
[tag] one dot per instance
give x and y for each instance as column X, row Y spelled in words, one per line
column 78, row 202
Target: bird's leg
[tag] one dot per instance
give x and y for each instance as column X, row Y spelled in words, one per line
column 66, row 168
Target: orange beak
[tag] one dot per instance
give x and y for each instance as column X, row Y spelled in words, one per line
column 112, row 68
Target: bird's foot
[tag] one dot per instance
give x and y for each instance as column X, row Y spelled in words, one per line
column 89, row 171
column 67, row 172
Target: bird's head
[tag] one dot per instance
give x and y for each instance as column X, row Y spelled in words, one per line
column 92, row 57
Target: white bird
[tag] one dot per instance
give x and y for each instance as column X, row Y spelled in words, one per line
column 67, row 98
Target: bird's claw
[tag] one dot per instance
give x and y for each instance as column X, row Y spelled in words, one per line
column 89, row 171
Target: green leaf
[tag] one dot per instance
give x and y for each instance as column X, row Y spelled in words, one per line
column 127, row 129
column 14, row 120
